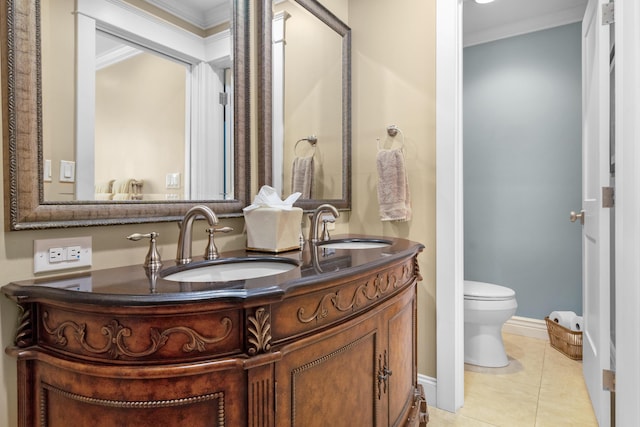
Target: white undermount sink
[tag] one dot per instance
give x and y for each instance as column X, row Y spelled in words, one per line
column 354, row 243
column 227, row 270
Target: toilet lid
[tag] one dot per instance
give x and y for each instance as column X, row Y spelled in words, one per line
column 487, row 291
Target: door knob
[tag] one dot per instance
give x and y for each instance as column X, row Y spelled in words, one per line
column 577, row 216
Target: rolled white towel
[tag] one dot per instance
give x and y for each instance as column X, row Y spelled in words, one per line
column 577, row 323
column 564, row 318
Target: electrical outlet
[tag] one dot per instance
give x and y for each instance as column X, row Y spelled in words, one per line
column 61, row 254
column 57, row 255
column 74, row 253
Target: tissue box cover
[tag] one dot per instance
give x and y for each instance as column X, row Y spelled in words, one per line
column 273, row 229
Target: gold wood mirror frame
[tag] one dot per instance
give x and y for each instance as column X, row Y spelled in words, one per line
column 265, row 98
column 25, row 208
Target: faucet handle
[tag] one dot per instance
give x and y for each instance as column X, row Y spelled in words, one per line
column 222, row 229
column 211, row 252
column 325, row 229
column 152, row 261
column 139, row 236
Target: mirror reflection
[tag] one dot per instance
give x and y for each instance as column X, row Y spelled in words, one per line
column 310, row 98
column 136, row 101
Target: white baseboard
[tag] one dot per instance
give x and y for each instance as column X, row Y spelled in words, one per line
column 525, row 326
column 429, row 384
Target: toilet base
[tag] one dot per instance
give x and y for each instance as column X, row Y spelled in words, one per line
column 484, row 347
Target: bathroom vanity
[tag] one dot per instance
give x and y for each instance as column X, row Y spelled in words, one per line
column 331, row 342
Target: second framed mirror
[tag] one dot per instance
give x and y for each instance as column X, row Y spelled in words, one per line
column 304, row 118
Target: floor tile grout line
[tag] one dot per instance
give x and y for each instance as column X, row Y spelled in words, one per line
column 536, row 406
column 544, row 358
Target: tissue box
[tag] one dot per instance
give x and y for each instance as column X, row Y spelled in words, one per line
column 273, row 229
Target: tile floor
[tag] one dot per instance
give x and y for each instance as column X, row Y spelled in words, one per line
column 541, row 387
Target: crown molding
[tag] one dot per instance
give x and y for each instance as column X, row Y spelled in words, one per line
column 203, row 19
column 543, row 22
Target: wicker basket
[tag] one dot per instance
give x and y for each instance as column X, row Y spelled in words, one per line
column 565, row 340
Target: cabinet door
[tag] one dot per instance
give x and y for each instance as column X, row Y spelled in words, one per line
column 95, row 396
column 399, row 356
column 330, row 379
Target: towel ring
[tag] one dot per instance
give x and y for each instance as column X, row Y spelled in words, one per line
column 312, row 140
column 393, row 131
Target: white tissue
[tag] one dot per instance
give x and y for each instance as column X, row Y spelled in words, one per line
column 564, row 318
column 577, row 323
column 268, row 197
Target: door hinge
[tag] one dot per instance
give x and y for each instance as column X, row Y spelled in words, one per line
column 608, row 380
column 608, row 16
column 608, row 197
column 224, row 98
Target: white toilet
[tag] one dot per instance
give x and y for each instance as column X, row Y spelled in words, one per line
column 486, row 308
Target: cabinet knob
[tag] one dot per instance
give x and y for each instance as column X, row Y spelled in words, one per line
column 383, row 374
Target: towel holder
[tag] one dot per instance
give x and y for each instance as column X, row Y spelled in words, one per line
column 311, row 139
column 393, row 131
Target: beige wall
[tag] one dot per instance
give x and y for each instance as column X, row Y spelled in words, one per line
column 58, row 86
column 140, row 122
column 393, row 82
column 393, row 56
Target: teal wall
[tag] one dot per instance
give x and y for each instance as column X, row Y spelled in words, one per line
column 522, row 167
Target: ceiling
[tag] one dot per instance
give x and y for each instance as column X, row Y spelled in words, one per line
column 507, row 18
column 482, row 22
column 201, row 13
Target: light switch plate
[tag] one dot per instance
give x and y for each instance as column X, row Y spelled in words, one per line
column 173, row 180
column 67, row 171
column 47, row 170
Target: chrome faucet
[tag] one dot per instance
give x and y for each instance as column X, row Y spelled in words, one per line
column 315, row 222
column 184, row 240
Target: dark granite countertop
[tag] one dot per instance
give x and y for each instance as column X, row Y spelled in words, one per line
column 131, row 285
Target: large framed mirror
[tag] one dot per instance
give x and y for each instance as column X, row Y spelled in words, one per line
column 87, row 144
column 304, row 114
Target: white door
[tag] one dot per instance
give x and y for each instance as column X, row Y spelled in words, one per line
column 596, row 233
column 627, row 213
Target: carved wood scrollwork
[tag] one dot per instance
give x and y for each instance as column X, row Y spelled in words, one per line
column 416, row 269
column 24, row 331
column 115, row 334
column 121, row 404
column 259, row 332
column 370, row 291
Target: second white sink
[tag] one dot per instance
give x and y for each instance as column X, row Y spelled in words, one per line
column 355, row 243
column 232, row 269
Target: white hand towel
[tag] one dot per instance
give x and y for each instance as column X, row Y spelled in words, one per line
column 103, row 196
column 104, row 187
column 302, row 176
column 393, row 186
column 122, row 185
column 122, row 196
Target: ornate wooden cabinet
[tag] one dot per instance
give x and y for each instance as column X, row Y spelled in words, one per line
column 306, row 348
column 361, row 373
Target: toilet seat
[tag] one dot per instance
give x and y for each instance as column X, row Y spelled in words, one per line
column 480, row 291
